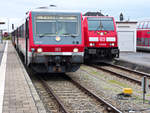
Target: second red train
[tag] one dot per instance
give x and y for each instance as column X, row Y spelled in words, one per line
column 101, row 43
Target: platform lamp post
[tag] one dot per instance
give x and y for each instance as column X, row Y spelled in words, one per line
column 1, row 33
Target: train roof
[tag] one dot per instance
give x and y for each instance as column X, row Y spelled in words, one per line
column 100, row 16
column 54, row 11
column 93, row 14
column 143, row 21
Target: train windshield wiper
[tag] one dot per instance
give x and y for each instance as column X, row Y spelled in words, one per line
column 72, row 35
column 45, row 34
column 100, row 26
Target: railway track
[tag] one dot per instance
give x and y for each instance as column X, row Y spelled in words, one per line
column 123, row 72
column 72, row 97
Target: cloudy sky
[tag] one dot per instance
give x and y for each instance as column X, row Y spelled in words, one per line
column 13, row 11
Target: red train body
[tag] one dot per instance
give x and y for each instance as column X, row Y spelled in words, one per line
column 143, row 35
column 51, row 41
column 101, row 41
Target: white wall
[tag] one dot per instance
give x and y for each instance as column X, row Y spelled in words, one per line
column 126, row 36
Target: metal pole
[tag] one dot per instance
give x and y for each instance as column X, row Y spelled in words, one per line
column 1, row 36
column 144, row 84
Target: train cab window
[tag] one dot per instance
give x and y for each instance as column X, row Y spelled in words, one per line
column 100, row 24
column 146, row 41
column 141, row 25
column 145, row 25
column 56, row 25
column 67, row 25
column 45, row 25
column 148, row 25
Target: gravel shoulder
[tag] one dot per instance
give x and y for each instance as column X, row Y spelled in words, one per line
column 108, row 86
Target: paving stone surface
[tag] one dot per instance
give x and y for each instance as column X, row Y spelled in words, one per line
column 19, row 95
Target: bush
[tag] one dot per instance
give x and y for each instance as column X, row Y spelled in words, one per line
column 7, row 38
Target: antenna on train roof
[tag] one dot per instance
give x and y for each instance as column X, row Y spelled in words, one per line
column 52, row 5
column 42, row 7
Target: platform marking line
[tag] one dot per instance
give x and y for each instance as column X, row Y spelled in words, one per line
column 2, row 76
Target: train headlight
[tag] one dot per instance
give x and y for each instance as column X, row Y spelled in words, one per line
column 91, row 44
column 39, row 50
column 75, row 50
column 112, row 44
column 58, row 38
column 102, row 33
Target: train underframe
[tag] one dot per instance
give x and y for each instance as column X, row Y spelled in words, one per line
column 96, row 55
column 55, row 64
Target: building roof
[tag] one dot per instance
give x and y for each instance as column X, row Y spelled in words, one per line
column 93, row 14
column 126, row 21
column 2, row 22
column 55, row 10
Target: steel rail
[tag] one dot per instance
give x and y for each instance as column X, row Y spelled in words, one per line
column 108, row 106
column 61, row 104
column 130, row 70
column 117, row 74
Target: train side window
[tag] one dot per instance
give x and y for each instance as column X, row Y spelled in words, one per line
column 145, row 25
column 138, row 41
column 27, row 28
column 19, row 31
column 149, row 25
column 149, row 41
column 146, row 41
column 142, row 41
column 141, row 25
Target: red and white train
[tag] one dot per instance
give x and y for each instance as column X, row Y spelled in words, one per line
column 101, row 43
column 51, row 41
column 143, row 35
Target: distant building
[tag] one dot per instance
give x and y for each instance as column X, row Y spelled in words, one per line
column 93, row 14
column 121, row 17
column 126, row 31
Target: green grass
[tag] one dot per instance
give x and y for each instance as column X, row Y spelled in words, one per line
column 95, row 72
column 118, row 83
column 7, row 38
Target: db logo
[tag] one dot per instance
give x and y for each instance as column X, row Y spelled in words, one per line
column 102, row 39
column 58, row 49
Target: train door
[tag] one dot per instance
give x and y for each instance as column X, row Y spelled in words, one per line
column 17, row 39
column 26, row 40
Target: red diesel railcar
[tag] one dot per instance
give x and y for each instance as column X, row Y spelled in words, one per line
column 100, row 38
column 143, row 35
column 51, row 40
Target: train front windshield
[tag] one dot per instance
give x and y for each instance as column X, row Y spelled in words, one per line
column 56, row 25
column 100, row 24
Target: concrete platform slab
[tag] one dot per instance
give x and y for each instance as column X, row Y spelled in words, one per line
column 136, row 57
column 136, row 60
column 20, row 95
column 2, row 47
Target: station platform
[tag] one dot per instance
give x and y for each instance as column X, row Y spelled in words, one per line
column 17, row 93
column 135, row 60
